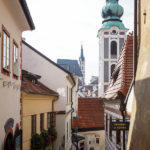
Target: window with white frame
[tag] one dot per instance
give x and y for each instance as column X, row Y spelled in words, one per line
column 6, row 52
column 15, row 59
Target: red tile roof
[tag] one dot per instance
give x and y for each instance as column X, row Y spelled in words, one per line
column 123, row 73
column 90, row 113
column 29, row 86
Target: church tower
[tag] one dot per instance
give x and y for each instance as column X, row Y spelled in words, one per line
column 111, row 36
column 82, row 64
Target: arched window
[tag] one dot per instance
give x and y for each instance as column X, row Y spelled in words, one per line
column 112, row 68
column 113, row 49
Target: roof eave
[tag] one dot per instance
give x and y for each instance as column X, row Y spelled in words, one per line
column 27, row 13
column 28, row 92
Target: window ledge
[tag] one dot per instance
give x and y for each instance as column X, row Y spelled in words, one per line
column 15, row 76
column 6, row 72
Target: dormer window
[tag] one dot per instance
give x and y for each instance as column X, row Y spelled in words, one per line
column 34, row 81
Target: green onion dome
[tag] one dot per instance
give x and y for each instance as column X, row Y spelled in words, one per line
column 112, row 12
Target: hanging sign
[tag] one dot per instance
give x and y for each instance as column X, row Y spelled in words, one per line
column 115, row 125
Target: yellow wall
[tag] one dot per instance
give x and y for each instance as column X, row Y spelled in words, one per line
column 34, row 105
column 139, row 133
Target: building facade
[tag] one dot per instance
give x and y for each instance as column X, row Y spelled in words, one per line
column 73, row 67
column 59, row 80
column 111, row 36
column 37, row 108
column 14, row 19
column 117, row 103
column 139, row 125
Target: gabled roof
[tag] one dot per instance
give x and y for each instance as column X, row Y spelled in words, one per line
column 31, row 87
column 90, row 114
column 70, row 65
column 27, row 13
column 123, row 73
column 49, row 60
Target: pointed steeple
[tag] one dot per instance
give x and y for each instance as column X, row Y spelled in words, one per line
column 82, row 55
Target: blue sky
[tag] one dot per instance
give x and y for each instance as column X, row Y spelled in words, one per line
column 62, row 25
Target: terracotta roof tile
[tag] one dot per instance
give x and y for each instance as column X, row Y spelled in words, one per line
column 29, row 87
column 90, row 113
column 123, row 72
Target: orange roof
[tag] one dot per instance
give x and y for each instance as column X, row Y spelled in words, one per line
column 30, row 87
column 90, row 113
column 123, row 73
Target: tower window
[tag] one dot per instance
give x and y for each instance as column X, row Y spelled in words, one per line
column 122, row 33
column 113, row 31
column 112, row 68
column 113, row 49
column 106, row 33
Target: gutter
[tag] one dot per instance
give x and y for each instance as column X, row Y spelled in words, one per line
column 53, row 111
column 26, row 11
column 72, row 109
